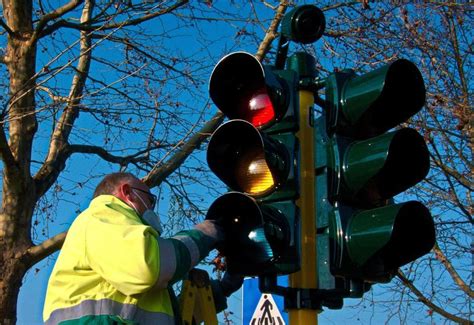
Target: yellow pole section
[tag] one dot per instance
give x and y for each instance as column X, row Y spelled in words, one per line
column 306, row 277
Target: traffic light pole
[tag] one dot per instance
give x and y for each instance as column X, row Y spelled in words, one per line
column 306, row 277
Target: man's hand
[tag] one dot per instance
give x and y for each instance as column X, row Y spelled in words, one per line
column 212, row 229
column 230, row 283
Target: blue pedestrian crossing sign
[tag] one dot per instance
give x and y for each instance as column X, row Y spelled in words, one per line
column 262, row 308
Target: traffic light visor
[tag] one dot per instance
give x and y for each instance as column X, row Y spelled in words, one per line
column 381, row 99
column 381, row 167
column 395, row 234
column 254, row 235
column 242, row 89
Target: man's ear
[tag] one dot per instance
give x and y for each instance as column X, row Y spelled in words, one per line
column 124, row 191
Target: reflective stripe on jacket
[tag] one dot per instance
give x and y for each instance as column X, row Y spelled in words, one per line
column 114, row 269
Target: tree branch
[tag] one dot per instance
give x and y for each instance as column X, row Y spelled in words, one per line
column 73, row 4
column 158, row 174
column 5, row 152
column 57, row 155
column 42, row 185
column 90, row 28
column 451, row 185
column 105, row 155
column 272, row 33
column 37, row 253
column 428, row 303
column 6, row 27
column 456, row 278
column 135, row 47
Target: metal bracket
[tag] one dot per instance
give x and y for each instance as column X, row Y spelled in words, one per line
column 299, row 298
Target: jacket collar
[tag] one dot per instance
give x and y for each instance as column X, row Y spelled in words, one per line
column 115, row 203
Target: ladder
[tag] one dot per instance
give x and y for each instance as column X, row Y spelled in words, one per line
column 196, row 300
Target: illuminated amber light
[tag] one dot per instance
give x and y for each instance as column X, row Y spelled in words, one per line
column 253, row 174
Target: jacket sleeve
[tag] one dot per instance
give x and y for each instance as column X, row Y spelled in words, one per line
column 190, row 247
column 127, row 256
column 133, row 258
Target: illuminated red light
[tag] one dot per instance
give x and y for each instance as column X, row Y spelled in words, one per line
column 259, row 110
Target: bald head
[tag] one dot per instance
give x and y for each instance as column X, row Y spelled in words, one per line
column 111, row 183
column 129, row 189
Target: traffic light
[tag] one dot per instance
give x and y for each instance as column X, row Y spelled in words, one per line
column 256, row 155
column 363, row 236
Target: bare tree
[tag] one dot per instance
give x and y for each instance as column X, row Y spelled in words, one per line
column 111, row 82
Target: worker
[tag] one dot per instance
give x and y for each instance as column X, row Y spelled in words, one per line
column 114, row 268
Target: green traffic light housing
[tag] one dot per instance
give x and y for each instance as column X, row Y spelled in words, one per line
column 259, row 238
column 303, row 24
column 370, row 104
column 363, row 237
column 373, row 244
column 376, row 169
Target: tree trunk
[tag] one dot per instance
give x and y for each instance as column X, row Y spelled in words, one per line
column 11, row 274
column 19, row 197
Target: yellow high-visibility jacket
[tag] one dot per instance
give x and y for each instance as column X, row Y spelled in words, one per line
column 114, row 269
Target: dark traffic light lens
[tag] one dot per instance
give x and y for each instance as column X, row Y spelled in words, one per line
column 304, row 24
column 255, row 235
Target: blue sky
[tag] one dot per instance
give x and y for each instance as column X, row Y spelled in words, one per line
column 73, row 199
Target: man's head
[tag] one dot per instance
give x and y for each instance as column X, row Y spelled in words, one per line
column 129, row 189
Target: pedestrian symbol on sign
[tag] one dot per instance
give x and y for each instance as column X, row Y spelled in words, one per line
column 267, row 312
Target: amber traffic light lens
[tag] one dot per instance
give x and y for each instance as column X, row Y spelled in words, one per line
column 252, row 173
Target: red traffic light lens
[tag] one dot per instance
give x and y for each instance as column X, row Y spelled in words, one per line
column 259, row 109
